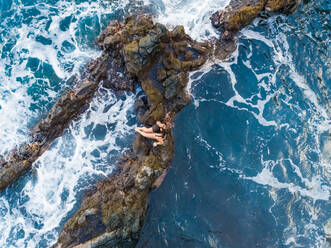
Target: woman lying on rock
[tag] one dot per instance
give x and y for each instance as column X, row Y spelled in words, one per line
column 156, row 132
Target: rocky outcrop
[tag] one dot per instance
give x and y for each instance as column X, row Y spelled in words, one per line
column 17, row 162
column 140, row 52
column 108, row 70
column 112, row 213
column 239, row 13
column 73, row 102
column 129, row 52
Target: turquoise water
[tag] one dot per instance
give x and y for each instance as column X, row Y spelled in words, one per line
column 252, row 166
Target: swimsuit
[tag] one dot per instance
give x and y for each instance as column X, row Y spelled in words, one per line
column 156, row 128
column 160, row 131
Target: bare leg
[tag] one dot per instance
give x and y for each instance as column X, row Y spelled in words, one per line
column 161, row 142
column 154, row 136
column 144, row 129
column 148, row 135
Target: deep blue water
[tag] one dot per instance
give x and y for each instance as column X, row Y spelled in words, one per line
column 252, row 161
column 252, row 165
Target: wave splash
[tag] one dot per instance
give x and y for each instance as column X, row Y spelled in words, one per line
column 193, row 15
column 31, row 80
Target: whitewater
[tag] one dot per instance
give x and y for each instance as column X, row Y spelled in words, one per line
column 44, row 44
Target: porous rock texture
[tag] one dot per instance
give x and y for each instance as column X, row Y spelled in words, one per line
column 112, row 213
column 239, row 13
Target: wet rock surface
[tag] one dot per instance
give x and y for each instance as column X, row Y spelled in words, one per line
column 67, row 108
column 107, row 70
column 17, row 162
column 144, row 52
column 239, row 13
column 159, row 60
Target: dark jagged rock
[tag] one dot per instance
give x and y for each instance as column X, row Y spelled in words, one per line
column 112, row 214
column 109, row 70
column 239, row 13
column 14, row 164
column 69, row 106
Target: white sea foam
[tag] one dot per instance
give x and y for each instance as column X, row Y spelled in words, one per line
column 314, row 184
column 314, row 188
column 15, row 102
column 61, row 171
column 29, row 218
column 72, row 159
column 193, row 15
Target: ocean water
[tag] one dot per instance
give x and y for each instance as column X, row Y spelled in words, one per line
column 252, row 165
column 43, row 45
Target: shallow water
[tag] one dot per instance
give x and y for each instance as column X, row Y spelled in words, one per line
column 252, row 164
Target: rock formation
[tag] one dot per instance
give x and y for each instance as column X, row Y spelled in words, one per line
column 105, row 69
column 112, row 213
column 116, row 69
column 239, row 13
column 140, row 52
